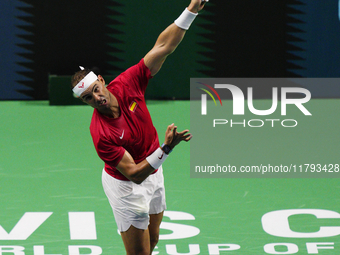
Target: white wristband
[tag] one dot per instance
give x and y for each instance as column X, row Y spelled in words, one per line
column 185, row 19
column 157, row 158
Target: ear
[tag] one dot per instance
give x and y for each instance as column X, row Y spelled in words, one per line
column 101, row 79
column 81, row 99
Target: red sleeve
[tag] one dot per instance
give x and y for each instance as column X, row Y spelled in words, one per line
column 139, row 76
column 109, row 153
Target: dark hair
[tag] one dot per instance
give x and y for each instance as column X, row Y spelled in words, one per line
column 78, row 76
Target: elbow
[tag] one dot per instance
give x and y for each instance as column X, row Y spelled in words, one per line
column 135, row 179
column 138, row 173
column 169, row 50
column 166, row 49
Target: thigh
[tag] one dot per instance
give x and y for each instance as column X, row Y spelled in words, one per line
column 136, row 241
column 158, row 201
column 128, row 203
column 155, row 222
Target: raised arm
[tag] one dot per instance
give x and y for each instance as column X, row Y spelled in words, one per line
column 137, row 173
column 171, row 37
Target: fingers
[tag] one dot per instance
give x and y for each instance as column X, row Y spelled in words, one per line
column 188, row 138
column 183, row 132
column 202, row 4
column 184, row 136
column 177, row 137
column 170, row 127
column 174, row 131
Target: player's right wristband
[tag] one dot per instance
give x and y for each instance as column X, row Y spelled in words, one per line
column 185, row 19
column 157, row 158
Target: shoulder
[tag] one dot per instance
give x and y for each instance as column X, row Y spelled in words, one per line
column 139, row 69
column 136, row 78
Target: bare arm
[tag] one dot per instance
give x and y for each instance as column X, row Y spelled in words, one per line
column 139, row 172
column 136, row 173
column 168, row 41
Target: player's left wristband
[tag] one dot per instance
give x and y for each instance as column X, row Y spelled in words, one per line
column 157, row 158
column 185, row 19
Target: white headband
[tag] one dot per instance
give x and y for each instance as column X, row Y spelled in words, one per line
column 84, row 83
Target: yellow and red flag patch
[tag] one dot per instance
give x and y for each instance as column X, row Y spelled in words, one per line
column 133, row 106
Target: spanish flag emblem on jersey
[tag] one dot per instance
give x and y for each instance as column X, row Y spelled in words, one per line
column 133, row 106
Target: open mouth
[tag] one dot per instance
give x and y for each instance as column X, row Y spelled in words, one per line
column 103, row 102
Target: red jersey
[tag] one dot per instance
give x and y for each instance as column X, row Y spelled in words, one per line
column 133, row 130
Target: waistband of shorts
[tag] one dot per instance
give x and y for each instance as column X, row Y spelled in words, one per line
column 118, row 175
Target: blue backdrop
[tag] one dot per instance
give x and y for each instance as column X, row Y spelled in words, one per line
column 307, row 46
column 11, row 63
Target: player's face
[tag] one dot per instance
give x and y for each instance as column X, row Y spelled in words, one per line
column 97, row 95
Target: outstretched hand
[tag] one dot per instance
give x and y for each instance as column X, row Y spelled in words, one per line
column 196, row 5
column 172, row 137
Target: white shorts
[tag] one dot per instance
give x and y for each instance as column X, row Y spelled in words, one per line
column 132, row 203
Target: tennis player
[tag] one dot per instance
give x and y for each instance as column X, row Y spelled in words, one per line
column 126, row 140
